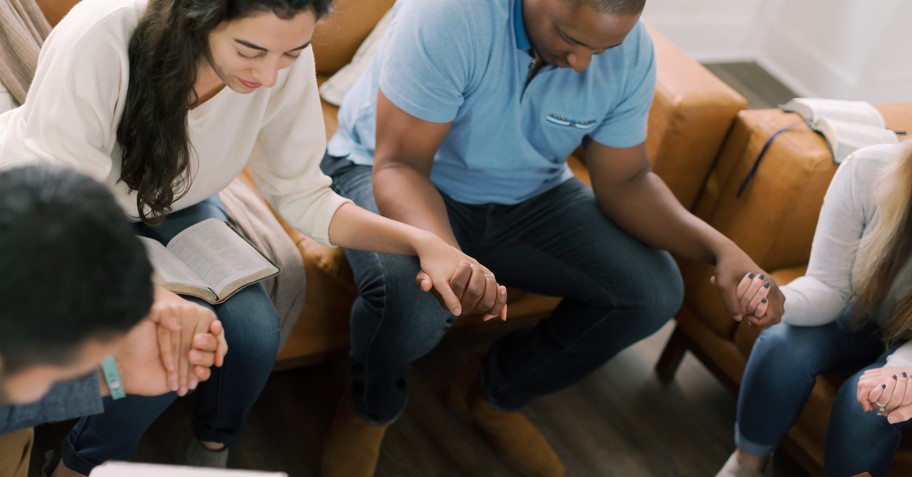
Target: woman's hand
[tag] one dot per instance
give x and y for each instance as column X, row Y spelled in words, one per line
column 887, row 390
column 748, row 295
column 140, row 364
column 179, row 321
column 461, row 284
column 752, row 292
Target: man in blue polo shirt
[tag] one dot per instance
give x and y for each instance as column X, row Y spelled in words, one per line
column 462, row 126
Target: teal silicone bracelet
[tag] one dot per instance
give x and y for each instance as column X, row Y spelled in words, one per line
column 112, row 377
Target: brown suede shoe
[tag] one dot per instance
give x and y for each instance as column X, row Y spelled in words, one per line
column 510, row 433
column 352, row 445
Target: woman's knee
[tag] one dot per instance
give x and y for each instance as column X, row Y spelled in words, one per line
column 251, row 323
column 792, row 345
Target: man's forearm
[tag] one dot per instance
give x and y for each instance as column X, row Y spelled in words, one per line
column 408, row 196
column 647, row 209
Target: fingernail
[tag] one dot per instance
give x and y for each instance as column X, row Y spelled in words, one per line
column 750, row 275
column 892, row 419
column 903, row 374
column 763, row 301
column 883, row 386
column 761, row 276
column 766, row 284
column 894, row 377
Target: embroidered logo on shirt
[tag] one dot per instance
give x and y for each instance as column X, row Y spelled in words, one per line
column 562, row 120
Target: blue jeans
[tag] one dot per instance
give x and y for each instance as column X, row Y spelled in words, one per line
column 617, row 290
column 780, row 375
column 252, row 330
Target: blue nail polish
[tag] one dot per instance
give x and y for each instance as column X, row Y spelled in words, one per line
column 766, row 284
column 883, row 386
column 750, row 275
column 894, row 377
column 763, row 301
column 903, row 374
column 761, row 276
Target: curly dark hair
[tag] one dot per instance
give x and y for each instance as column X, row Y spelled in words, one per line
column 164, row 52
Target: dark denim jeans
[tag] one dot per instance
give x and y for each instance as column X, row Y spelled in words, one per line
column 252, row 330
column 780, row 374
column 617, row 290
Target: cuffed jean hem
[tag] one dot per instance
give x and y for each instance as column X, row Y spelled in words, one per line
column 204, row 434
column 750, row 447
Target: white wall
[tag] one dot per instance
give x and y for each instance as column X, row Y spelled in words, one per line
column 846, row 49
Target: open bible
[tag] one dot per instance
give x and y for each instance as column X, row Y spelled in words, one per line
column 208, row 260
column 846, row 125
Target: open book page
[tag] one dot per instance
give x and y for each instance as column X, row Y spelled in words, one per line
column 220, row 256
column 170, row 270
column 122, row 469
column 846, row 137
column 814, row 109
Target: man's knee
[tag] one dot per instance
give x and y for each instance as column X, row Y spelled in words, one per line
column 387, row 282
column 659, row 292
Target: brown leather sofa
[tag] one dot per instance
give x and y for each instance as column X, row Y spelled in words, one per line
column 773, row 221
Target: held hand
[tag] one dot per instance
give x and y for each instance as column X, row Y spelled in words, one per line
column 886, row 390
column 731, row 270
column 900, row 414
column 752, row 292
column 139, row 359
column 179, row 320
column 461, row 284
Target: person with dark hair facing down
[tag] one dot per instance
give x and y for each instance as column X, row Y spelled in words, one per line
column 75, row 285
column 167, row 101
column 462, row 126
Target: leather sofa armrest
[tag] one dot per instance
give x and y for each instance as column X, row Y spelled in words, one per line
column 691, row 113
column 774, row 219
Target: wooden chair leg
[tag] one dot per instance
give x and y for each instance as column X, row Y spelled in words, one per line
column 668, row 363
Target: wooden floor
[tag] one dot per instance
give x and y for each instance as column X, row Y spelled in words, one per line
column 619, row 421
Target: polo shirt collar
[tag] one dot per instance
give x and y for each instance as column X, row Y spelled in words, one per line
column 519, row 29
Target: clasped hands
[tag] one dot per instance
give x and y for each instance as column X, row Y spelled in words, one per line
column 472, row 288
column 888, row 391
column 172, row 349
column 756, row 298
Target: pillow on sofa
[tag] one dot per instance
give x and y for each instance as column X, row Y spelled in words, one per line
column 334, row 88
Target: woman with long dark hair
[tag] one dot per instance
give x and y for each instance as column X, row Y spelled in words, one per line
column 167, row 101
column 849, row 315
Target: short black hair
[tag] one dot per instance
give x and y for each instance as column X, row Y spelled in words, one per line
column 71, row 267
column 615, row 7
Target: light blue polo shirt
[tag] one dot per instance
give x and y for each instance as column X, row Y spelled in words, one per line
column 466, row 62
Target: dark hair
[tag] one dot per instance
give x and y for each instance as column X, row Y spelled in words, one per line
column 71, row 268
column 164, row 52
column 615, row 7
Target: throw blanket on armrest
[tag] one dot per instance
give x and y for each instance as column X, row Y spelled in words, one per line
column 251, row 216
column 23, row 29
